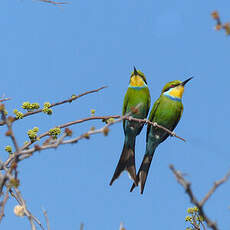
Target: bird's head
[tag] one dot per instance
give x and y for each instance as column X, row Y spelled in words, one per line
column 137, row 79
column 175, row 88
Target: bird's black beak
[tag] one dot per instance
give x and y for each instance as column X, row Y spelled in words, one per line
column 135, row 71
column 184, row 82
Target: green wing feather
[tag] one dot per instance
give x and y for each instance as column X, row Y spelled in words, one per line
column 151, row 116
column 179, row 117
column 124, row 108
column 148, row 104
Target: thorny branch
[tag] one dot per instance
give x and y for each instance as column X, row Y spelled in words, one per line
column 199, row 204
column 25, row 152
column 73, row 98
column 9, row 179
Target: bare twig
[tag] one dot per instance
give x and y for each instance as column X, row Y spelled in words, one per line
column 193, row 199
column 47, row 219
column 203, row 226
column 5, row 99
column 3, row 203
column 10, row 131
column 27, row 213
column 55, row 104
column 54, row 2
column 213, row 189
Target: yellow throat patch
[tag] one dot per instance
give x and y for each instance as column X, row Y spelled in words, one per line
column 136, row 81
column 177, row 91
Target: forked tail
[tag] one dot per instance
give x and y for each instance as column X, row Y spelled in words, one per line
column 143, row 172
column 126, row 162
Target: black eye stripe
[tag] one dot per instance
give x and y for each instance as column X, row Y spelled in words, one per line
column 171, row 86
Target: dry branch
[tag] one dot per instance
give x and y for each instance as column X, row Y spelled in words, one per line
column 47, row 219
column 5, row 99
column 3, row 203
column 57, row 103
column 24, row 152
column 10, row 165
column 54, row 2
column 187, row 186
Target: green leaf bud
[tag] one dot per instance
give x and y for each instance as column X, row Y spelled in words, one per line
column 92, row 112
column 8, row 149
column 35, row 129
column 190, row 210
column 54, row 132
column 19, row 115
column 32, row 134
column 47, row 105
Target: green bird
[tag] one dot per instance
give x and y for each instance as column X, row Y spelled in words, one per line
column 137, row 103
column 166, row 111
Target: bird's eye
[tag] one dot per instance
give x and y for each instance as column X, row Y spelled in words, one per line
column 171, row 86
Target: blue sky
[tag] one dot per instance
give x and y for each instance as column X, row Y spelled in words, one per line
column 49, row 53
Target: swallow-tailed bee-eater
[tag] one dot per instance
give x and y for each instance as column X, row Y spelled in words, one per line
column 166, row 111
column 137, row 99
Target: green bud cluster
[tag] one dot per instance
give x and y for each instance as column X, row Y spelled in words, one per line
column 92, row 111
column 194, row 218
column 73, row 96
column 192, row 210
column 110, row 120
column 54, row 132
column 188, row 218
column 32, row 133
column 18, row 114
column 30, row 106
column 46, row 108
column 8, row 149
